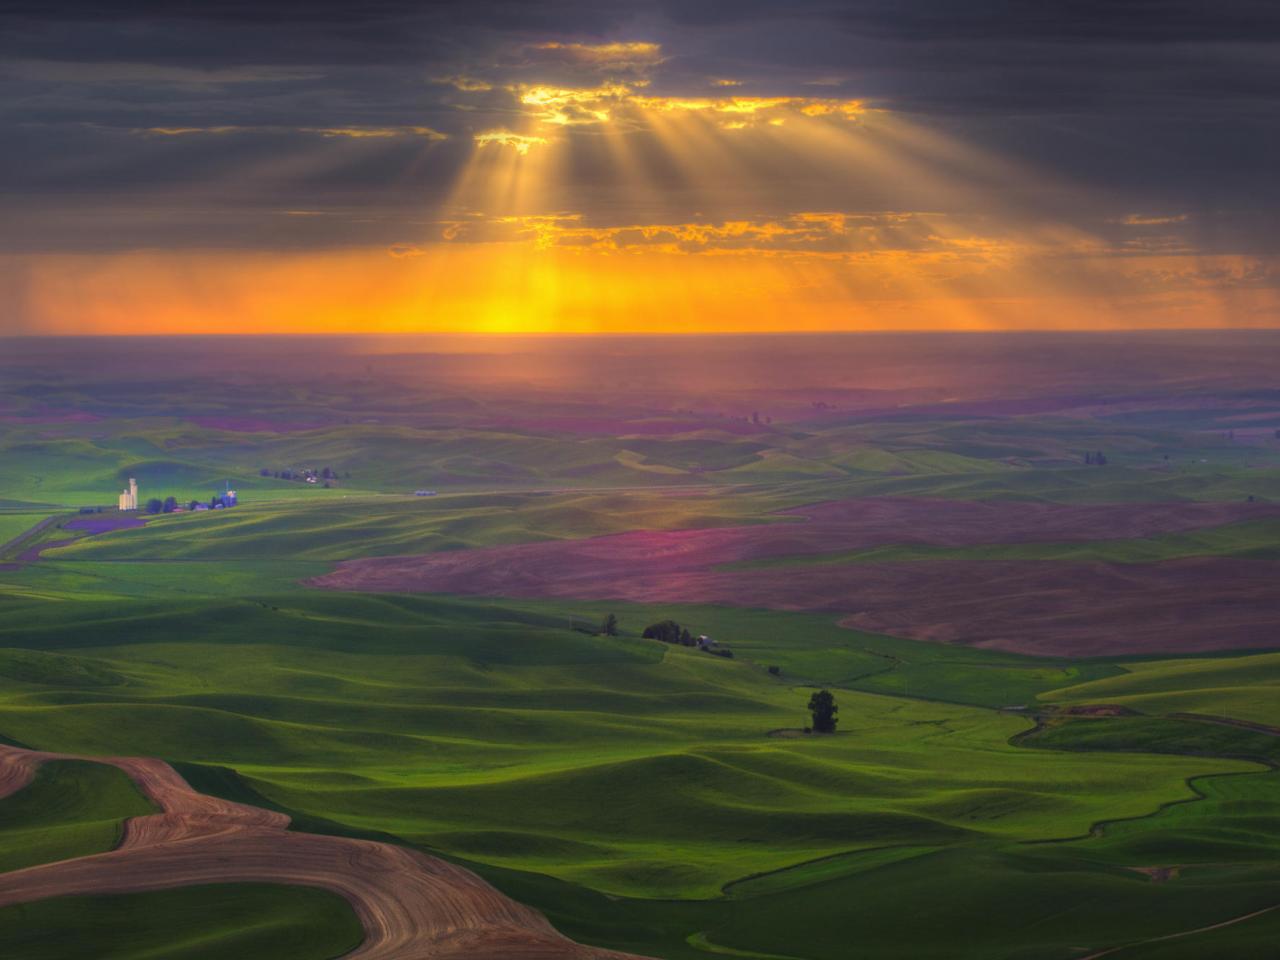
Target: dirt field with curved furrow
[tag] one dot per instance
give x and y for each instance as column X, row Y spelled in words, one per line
column 1184, row 605
column 412, row 906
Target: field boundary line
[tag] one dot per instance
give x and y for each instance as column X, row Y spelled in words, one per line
column 26, row 535
column 1183, row 933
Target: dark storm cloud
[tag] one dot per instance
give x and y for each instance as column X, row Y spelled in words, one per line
column 1159, row 107
column 1038, row 56
column 1058, row 21
column 1203, row 49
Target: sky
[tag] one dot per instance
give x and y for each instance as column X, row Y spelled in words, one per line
column 692, row 166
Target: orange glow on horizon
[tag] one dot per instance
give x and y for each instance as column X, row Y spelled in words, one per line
column 501, row 288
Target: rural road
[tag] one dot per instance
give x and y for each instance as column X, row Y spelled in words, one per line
column 412, row 906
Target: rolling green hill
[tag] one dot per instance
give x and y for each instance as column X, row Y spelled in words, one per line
column 379, row 526
column 566, row 767
column 192, row 923
column 1241, row 688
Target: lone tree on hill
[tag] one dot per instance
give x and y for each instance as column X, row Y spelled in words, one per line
column 610, row 626
column 823, row 707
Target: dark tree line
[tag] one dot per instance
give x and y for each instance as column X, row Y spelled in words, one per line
column 327, row 473
column 169, row 504
column 668, row 631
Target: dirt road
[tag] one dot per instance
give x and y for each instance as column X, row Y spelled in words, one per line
column 412, row 906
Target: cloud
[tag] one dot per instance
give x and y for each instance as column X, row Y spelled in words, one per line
column 519, row 142
column 738, row 112
column 405, row 251
column 629, row 55
column 154, row 75
column 560, row 105
column 1148, row 220
column 621, row 101
column 186, row 131
column 188, row 124
column 821, row 235
column 361, row 133
column 354, row 133
column 465, row 84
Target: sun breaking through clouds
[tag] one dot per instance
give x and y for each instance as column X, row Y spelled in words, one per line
column 662, row 179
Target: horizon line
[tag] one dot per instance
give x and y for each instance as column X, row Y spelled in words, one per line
column 619, row 334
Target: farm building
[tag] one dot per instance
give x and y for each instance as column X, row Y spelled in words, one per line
column 129, row 497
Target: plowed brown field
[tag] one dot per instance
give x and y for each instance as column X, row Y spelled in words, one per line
column 1052, row 608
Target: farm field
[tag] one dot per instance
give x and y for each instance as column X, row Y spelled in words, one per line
column 1019, row 605
column 648, row 765
column 13, row 525
column 634, row 755
column 1240, row 688
column 429, row 672
column 70, row 809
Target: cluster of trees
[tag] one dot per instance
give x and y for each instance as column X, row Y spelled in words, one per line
column 668, row 631
column 1095, row 458
column 170, row 504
